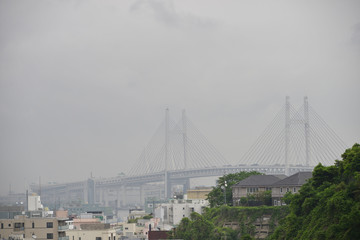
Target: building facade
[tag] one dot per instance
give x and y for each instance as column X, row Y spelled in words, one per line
column 291, row 184
column 172, row 212
column 278, row 184
column 252, row 185
column 39, row 228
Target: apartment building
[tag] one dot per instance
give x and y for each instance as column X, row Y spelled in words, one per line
column 172, row 212
column 39, row 228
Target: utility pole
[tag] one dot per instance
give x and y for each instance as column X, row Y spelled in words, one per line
column 225, row 185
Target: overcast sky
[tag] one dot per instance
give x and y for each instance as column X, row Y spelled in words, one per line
column 84, row 84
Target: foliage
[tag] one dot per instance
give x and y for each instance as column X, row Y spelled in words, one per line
column 135, row 220
column 212, row 224
column 328, row 205
column 216, row 196
column 257, row 199
column 196, row 228
column 288, row 197
column 147, row 216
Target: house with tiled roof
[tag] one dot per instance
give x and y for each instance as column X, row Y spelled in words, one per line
column 290, row 184
column 252, row 185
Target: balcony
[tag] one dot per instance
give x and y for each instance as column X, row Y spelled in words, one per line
column 18, row 229
column 64, row 238
column 63, row 228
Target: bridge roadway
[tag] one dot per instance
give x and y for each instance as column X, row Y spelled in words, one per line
column 175, row 175
column 119, row 189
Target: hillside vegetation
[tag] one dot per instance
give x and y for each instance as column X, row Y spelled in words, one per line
column 229, row 223
column 328, row 205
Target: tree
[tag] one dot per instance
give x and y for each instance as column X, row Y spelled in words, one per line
column 196, row 228
column 183, row 231
column 328, row 205
column 216, row 196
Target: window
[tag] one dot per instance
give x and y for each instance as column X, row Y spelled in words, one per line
column 98, row 238
column 49, row 236
column 9, row 225
column 2, row 226
column 294, row 190
column 18, row 225
column 33, row 225
column 49, row 225
column 252, row 189
column 275, row 202
column 280, row 189
column 287, row 190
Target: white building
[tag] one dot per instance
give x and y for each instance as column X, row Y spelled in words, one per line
column 34, row 203
column 172, row 212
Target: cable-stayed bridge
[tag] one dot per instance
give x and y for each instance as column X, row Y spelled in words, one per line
column 296, row 140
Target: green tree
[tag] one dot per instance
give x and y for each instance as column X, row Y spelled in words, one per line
column 196, row 228
column 216, row 196
column 183, row 231
column 201, row 227
column 328, row 205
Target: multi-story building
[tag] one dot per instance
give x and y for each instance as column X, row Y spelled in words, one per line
column 39, row 228
column 278, row 184
column 292, row 184
column 172, row 212
column 252, row 185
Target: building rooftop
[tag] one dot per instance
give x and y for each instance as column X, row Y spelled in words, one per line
column 298, row 179
column 257, row 180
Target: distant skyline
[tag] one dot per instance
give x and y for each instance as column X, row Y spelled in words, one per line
column 85, row 84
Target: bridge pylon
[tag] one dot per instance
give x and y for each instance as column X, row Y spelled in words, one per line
column 295, row 138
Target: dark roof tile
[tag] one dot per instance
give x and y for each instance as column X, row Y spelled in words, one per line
column 257, row 180
column 298, row 179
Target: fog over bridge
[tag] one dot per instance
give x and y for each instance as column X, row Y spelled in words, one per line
column 296, row 140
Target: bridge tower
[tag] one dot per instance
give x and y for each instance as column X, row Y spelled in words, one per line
column 307, row 130
column 296, row 120
column 287, row 134
column 186, row 185
column 184, row 137
column 167, row 185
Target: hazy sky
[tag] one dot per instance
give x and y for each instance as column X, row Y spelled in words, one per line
column 84, row 84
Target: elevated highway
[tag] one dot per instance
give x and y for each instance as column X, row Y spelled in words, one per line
column 117, row 189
